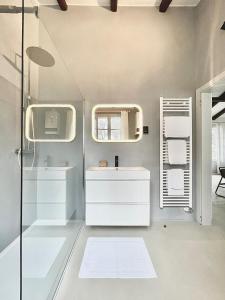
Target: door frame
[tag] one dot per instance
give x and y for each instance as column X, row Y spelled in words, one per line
column 203, row 157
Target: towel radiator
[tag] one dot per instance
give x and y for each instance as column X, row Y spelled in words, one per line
column 175, row 107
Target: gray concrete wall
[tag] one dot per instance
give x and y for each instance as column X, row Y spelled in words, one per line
column 133, row 56
column 210, row 40
column 9, row 168
column 10, row 83
column 10, row 121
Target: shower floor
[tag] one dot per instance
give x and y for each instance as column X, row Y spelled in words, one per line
column 45, row 253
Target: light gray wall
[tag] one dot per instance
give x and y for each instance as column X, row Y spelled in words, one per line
column 133, row 56
column 10, row 121
column 10, row 100
column 210, row 40
column 9, row 168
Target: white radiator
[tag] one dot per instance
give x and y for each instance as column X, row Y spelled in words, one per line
column 170, row 107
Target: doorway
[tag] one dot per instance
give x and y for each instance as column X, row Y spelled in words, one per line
column 218, row 156
column 210, row 125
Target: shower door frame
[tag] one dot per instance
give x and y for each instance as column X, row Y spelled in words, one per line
column 21, row 147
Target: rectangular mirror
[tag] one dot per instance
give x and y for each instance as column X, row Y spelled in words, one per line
column 50, row 123
column 117, row 123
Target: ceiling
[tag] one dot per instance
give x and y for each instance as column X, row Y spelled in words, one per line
column 175, row 3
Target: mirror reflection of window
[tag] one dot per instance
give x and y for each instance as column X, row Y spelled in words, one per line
column 102, row 127
column 108, row 126
column 117, row 123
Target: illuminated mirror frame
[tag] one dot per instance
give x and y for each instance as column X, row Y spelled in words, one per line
column 94, row 109
column 29, row 113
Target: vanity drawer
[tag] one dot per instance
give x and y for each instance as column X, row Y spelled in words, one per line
column 117, row 215
column 118, row 191
column 51, row 211
column 51, row 191
column 29, row 191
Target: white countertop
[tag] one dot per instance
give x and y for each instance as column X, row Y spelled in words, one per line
column 120, row 173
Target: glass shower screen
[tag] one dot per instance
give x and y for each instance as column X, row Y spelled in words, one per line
column 53, row 206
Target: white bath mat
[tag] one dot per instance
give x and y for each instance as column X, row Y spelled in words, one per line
column 116, row 258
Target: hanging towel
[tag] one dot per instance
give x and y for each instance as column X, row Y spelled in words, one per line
column 175, row 182
column 177, row 126
column 177, row 152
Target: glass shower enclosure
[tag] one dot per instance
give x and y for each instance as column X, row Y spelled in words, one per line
column 41, row 144
column 10, row 145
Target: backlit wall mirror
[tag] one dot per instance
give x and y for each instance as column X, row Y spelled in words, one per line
column 50, row 123
column 117, row 123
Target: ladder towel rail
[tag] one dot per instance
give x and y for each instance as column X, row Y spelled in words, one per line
column 175, row 107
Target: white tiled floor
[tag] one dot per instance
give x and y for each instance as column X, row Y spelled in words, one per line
column 189, row 260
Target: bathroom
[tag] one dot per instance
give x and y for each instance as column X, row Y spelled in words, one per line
column 61, row 63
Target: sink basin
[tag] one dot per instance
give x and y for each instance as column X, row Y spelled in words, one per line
column 112, row 173
column 44, row 173
column 47, row 168
column 116, row 169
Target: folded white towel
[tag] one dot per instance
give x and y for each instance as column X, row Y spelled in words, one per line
column 177, row 126
column 175, row 182
column 177, row 152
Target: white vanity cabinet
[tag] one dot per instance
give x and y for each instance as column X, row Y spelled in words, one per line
column 118, row 196
column 55, row 195
column 54, row 200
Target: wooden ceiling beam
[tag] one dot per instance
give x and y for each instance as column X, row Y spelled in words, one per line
column 220, row 97
column 219, row 114
column 164, row 5
column 114, row 5
column 216, row 100
column 62, row 4
column 214, row 103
